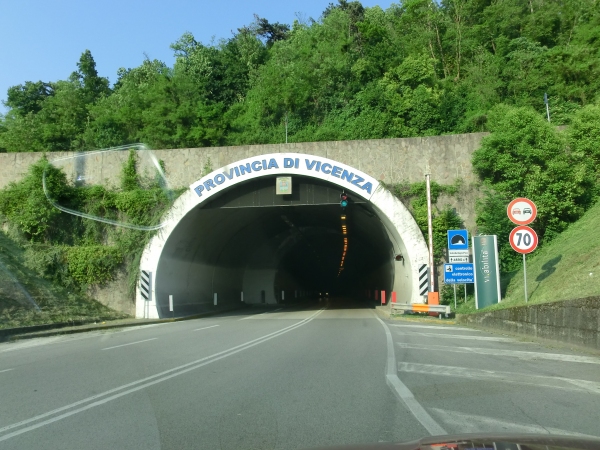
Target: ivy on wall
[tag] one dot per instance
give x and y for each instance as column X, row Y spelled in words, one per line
column 71, row 251
column 414, row 196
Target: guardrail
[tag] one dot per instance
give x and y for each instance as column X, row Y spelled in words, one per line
column 421, row 307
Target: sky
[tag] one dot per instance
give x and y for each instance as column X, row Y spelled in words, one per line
column 43, row 39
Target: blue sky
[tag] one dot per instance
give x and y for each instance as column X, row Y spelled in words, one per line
column 43, row 39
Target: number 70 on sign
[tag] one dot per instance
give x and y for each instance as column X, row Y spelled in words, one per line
column 523, row 239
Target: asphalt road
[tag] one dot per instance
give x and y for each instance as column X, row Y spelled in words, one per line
column 290, row 378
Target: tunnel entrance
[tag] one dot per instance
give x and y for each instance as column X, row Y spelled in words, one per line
column 247, row 244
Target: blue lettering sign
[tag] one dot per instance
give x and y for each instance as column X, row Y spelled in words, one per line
column 347, row 176
column 367, row 187
column 256, row 166
column 288, row 163
column 273, row 164
column 358, row 180
column 310, row 165
column 245, row 169
column 219, row 178
column 336, row 171
column 199, row 190
column 209, row 184
column 230, row 175
column 326, row 171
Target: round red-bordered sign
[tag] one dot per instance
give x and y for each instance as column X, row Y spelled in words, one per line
column 523, row 239
column 521, row 211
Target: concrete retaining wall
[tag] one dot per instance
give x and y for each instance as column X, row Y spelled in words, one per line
column 574, row 322
column 388, row 160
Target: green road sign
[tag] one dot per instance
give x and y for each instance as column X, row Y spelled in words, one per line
column 487, row 271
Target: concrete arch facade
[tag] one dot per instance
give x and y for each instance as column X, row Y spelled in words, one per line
column 403, row 232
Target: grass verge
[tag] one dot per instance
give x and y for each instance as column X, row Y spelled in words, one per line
column 566, row 268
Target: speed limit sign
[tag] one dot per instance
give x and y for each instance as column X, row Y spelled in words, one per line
column 523, row 239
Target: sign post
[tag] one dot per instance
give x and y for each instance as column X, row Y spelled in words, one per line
column 454, row 285
column 523, row 239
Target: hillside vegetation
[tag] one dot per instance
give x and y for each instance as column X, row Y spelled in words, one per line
column 566, row 268
column 49, row 259
column 421, row 67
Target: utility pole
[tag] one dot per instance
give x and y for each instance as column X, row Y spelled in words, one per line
column 430, row 231
column 286, row 125
column 547, row 107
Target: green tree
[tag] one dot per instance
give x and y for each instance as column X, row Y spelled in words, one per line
column 525, row 156
column 92, row 86
column 29, row 97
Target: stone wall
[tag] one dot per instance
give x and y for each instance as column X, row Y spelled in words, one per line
column 575, row 322
column 388, row 160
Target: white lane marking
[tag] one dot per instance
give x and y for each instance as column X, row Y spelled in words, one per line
column 130, row 343
column 138, row 327
column 403, row 392
column 456, row 336
column 468, row 423
column 37, row 342
column 256, row 315
column 167, row 374
column 6, row 370
column 434, row 327
column 508, row 377
column 66, row 338
column 205, row 328
column 498, row 352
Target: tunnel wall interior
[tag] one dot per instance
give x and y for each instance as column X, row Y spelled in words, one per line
column 272, row 254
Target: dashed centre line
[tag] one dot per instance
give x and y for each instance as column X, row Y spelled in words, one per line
column 256, row 315
column 131, row 343
column 205, row 328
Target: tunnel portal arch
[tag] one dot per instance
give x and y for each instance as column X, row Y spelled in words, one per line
column 405, row 237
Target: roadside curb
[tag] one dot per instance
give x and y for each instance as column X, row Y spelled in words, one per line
column 14, row 334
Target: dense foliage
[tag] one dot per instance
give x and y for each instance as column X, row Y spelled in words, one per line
column 76, row 252
column 414, row 196
column 421, row 67
column 525, row 156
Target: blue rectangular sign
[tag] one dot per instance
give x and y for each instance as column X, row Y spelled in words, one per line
column 459, row 273
column 458, row 240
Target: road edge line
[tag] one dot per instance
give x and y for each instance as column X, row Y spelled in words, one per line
column 402, row 391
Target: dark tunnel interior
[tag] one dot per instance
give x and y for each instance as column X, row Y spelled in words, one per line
column 249, row 244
